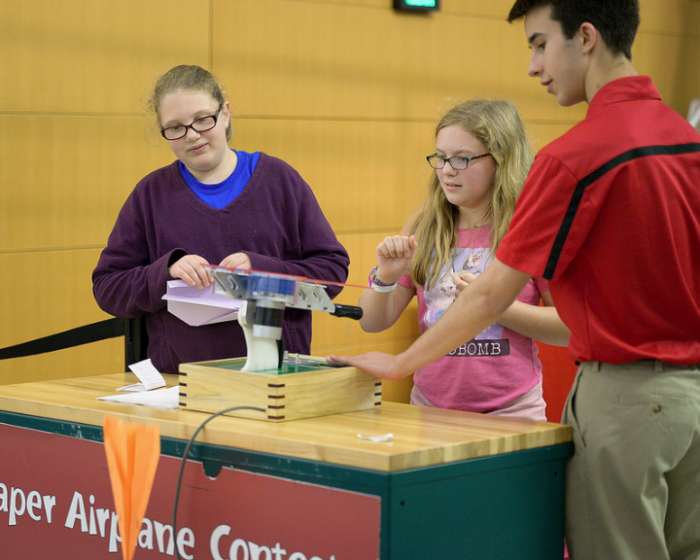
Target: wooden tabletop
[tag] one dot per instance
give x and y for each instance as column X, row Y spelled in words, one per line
column 421, row 436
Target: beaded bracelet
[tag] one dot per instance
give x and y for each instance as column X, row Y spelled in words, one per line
column 377, row 285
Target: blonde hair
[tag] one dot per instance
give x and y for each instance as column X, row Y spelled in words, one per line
column 497, row 125
column 188, row 78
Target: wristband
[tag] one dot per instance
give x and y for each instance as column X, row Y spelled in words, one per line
column 377, row 285
column 383, row 289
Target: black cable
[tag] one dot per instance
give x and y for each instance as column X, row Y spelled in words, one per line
column 184, row 461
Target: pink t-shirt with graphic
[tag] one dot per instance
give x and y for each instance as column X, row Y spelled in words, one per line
column 495, row 367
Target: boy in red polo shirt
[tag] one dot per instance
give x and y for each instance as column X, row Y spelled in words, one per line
column 610, row 215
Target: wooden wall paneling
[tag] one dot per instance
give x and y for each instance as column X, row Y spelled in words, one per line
column 70, row 175
column 666, row 71
column 339, row 333
column 689, row 83
column 49, row 292
column 669, row 60
column 106, row 356
column 542, row 134
column 318, row 61
column 377, row 4
column 670, row 17
column 95, row 56
column 367, row 175
column 667, row 16
column 497, row 9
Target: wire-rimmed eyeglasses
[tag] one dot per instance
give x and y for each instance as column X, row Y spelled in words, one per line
column 456, row 162
column 202, row 124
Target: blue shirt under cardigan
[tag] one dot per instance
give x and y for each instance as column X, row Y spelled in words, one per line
column 220, row 195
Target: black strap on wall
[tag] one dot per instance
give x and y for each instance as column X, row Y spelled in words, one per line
column 109, row 328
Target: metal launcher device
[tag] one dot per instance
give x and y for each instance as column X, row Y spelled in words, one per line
column 293, row 388
column 264, row 297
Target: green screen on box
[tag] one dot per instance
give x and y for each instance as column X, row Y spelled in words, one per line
column 421, row 3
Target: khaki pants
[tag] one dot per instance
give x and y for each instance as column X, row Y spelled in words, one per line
column 633, row 485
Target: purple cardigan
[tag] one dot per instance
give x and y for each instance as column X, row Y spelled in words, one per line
column 276, row 221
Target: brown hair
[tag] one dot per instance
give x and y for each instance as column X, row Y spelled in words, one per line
column 192, row 78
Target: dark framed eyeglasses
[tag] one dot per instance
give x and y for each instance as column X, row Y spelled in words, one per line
column 456, row 162
column 202, row 124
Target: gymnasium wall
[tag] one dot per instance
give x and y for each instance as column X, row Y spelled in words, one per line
column 346, row 91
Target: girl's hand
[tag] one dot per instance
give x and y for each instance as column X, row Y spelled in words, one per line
column 463, row 280
column 394, row 256
column 237, row 260
column 190, row 269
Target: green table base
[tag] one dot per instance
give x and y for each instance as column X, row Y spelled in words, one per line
column 502, row 507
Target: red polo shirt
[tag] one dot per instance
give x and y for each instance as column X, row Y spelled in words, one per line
column 610, row 214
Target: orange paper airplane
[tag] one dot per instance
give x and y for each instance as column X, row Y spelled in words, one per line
column 132, row 457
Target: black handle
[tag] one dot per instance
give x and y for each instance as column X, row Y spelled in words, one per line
column 350, row 311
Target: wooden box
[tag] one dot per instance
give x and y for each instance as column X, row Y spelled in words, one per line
column 303, row 388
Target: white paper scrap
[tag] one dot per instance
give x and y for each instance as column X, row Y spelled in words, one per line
column 160, row 398
column 136, row 387
column 385, row 437
column 147, row 374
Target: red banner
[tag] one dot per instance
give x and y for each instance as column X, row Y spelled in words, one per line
column 56, row 502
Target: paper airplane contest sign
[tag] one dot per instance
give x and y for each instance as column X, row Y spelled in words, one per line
column 56, row 502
